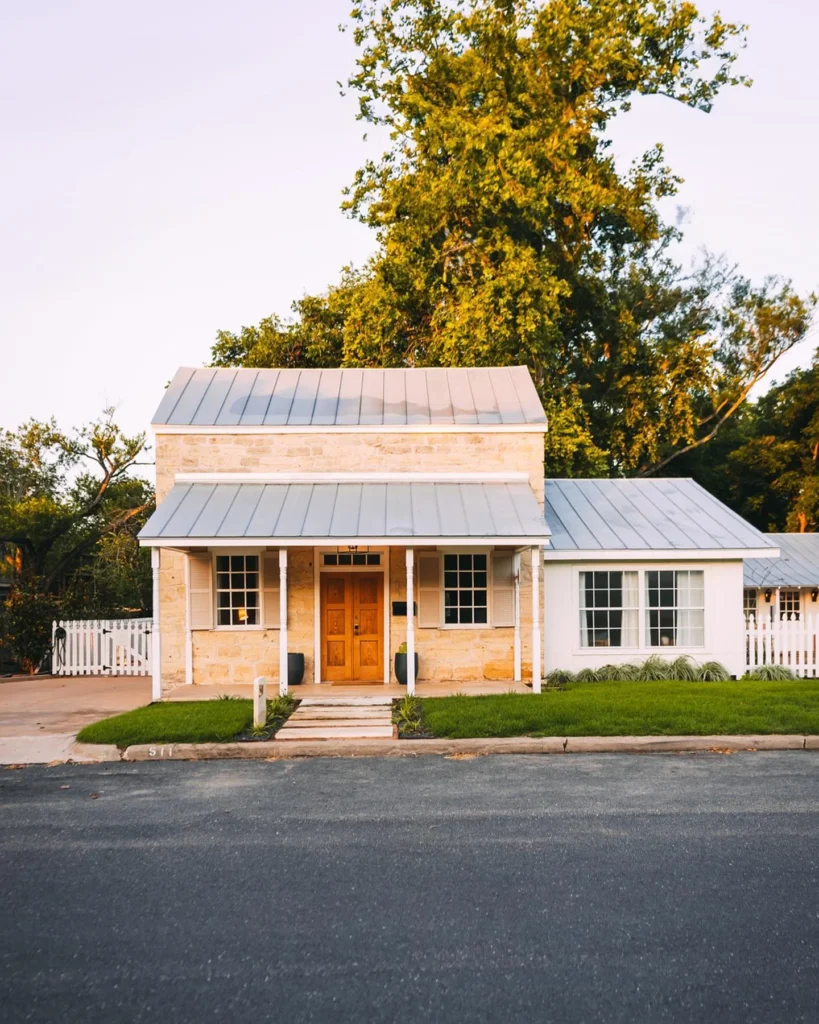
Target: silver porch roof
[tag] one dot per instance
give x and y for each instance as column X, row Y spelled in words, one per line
column 350, row 397
column 378, row 511
column 644, row 515
column 797, row 566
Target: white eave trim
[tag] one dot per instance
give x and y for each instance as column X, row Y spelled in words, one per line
column 658, row 555
column 185, row 543
column 365, row 428
column 350, row 478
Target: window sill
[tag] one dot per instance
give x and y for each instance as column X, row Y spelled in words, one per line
column 241, row 629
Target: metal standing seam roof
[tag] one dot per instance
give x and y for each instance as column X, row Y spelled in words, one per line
column 797, row 566
column 351, row 397
column 282, row 511
column 647, row 514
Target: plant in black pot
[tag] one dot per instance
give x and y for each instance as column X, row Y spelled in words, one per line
column 295, row 669
column 401, row 665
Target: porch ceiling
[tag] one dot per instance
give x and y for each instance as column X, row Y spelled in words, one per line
column 389, row 513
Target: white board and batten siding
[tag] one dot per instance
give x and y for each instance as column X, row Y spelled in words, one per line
column 793, row 644
column 102, row 647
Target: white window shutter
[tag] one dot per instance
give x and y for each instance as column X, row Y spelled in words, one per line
column 270, row 584
column 200, row 590
column 429, row 589
column 503, row 588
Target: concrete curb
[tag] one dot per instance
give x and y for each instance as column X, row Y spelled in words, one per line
column 94, row 753
column 510, row 745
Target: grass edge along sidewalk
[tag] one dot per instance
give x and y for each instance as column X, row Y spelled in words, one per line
column 743, row 707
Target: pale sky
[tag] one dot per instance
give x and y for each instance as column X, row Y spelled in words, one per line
column 173, row 167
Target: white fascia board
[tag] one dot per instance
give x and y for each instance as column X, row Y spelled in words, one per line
column 659, row 555
column 305, row 542
column 367, row 428
column 349, row 478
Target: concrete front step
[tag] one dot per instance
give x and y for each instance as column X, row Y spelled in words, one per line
column 329, row 714
column 353, row 732
column 361, row 702
column 352, row 721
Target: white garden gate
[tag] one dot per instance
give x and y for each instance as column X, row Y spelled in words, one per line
column 102, row 647
column 792, row 643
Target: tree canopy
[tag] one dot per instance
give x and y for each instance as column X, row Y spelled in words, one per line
column 508, row 234
column 70, row 510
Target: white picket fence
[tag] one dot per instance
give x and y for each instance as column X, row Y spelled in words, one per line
column 794, row 644
column 102, row 647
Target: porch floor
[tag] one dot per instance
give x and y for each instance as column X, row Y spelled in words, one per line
column 326, row 691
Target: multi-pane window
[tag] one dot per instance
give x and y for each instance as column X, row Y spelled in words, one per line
column 237, row 590
column 675, row 608
column 353, row 558
column 749, row 606
column 609, row 609
column 465, row 589
column 789, row 606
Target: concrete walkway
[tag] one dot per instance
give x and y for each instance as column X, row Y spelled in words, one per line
column 41, row 715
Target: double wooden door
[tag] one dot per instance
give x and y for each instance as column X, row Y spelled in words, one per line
column 352, row 627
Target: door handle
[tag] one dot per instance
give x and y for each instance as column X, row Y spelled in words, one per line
column 355, row 628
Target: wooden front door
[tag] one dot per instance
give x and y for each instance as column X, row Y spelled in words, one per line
column 352, row 627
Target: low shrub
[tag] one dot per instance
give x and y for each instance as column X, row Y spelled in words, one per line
column 771, row 673
column 586, row 675
column 652, row 670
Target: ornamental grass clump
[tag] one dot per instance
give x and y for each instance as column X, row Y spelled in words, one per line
column 684, row 669
column 713, row 672
column 771, row 674
column 653, row 670
column 586, row 675
column 559, row 677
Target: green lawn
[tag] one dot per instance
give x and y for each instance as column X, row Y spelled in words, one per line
column 194, row 721
column 632, row 709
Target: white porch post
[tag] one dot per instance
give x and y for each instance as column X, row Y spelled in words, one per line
column 156, row 641
column 282, row 622
column 536, row 657
column 410, row 621
column 518, row 665
column 188, row 631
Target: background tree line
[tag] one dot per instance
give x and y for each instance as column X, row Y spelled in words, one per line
column 70, row 511
column 507, row 234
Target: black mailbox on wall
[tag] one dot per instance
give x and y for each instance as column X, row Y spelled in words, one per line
column 399, row 609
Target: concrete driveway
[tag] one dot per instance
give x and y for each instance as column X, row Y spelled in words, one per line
column 41, row 715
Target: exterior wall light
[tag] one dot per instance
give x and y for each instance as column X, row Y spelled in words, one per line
column 814, row 594
column 768, row 593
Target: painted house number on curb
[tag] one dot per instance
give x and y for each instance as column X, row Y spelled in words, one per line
column 161, row 752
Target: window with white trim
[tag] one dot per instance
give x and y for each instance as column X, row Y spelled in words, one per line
column 237, row 590
column 609, row 609
column 790, row 605
column 466, row 589
column 675, row 608
column 749, row 606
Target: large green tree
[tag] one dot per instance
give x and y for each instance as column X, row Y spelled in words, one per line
column 70, row 510
column 766, row 463
column 508, row 234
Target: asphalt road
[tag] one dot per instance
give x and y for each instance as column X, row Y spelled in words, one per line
column 585, row 888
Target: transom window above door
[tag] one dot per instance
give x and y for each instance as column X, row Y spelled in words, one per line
column 237, row 590
column 466, row 589
column 352, row 558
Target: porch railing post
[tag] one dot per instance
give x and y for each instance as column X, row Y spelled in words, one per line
column 518, row 660
column 188, row 630
column 537, row 671
column 410, row 621
column 283, row 622
column 156, row 641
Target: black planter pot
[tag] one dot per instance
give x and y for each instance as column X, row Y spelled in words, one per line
column 401, row 668
column 295, row 669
